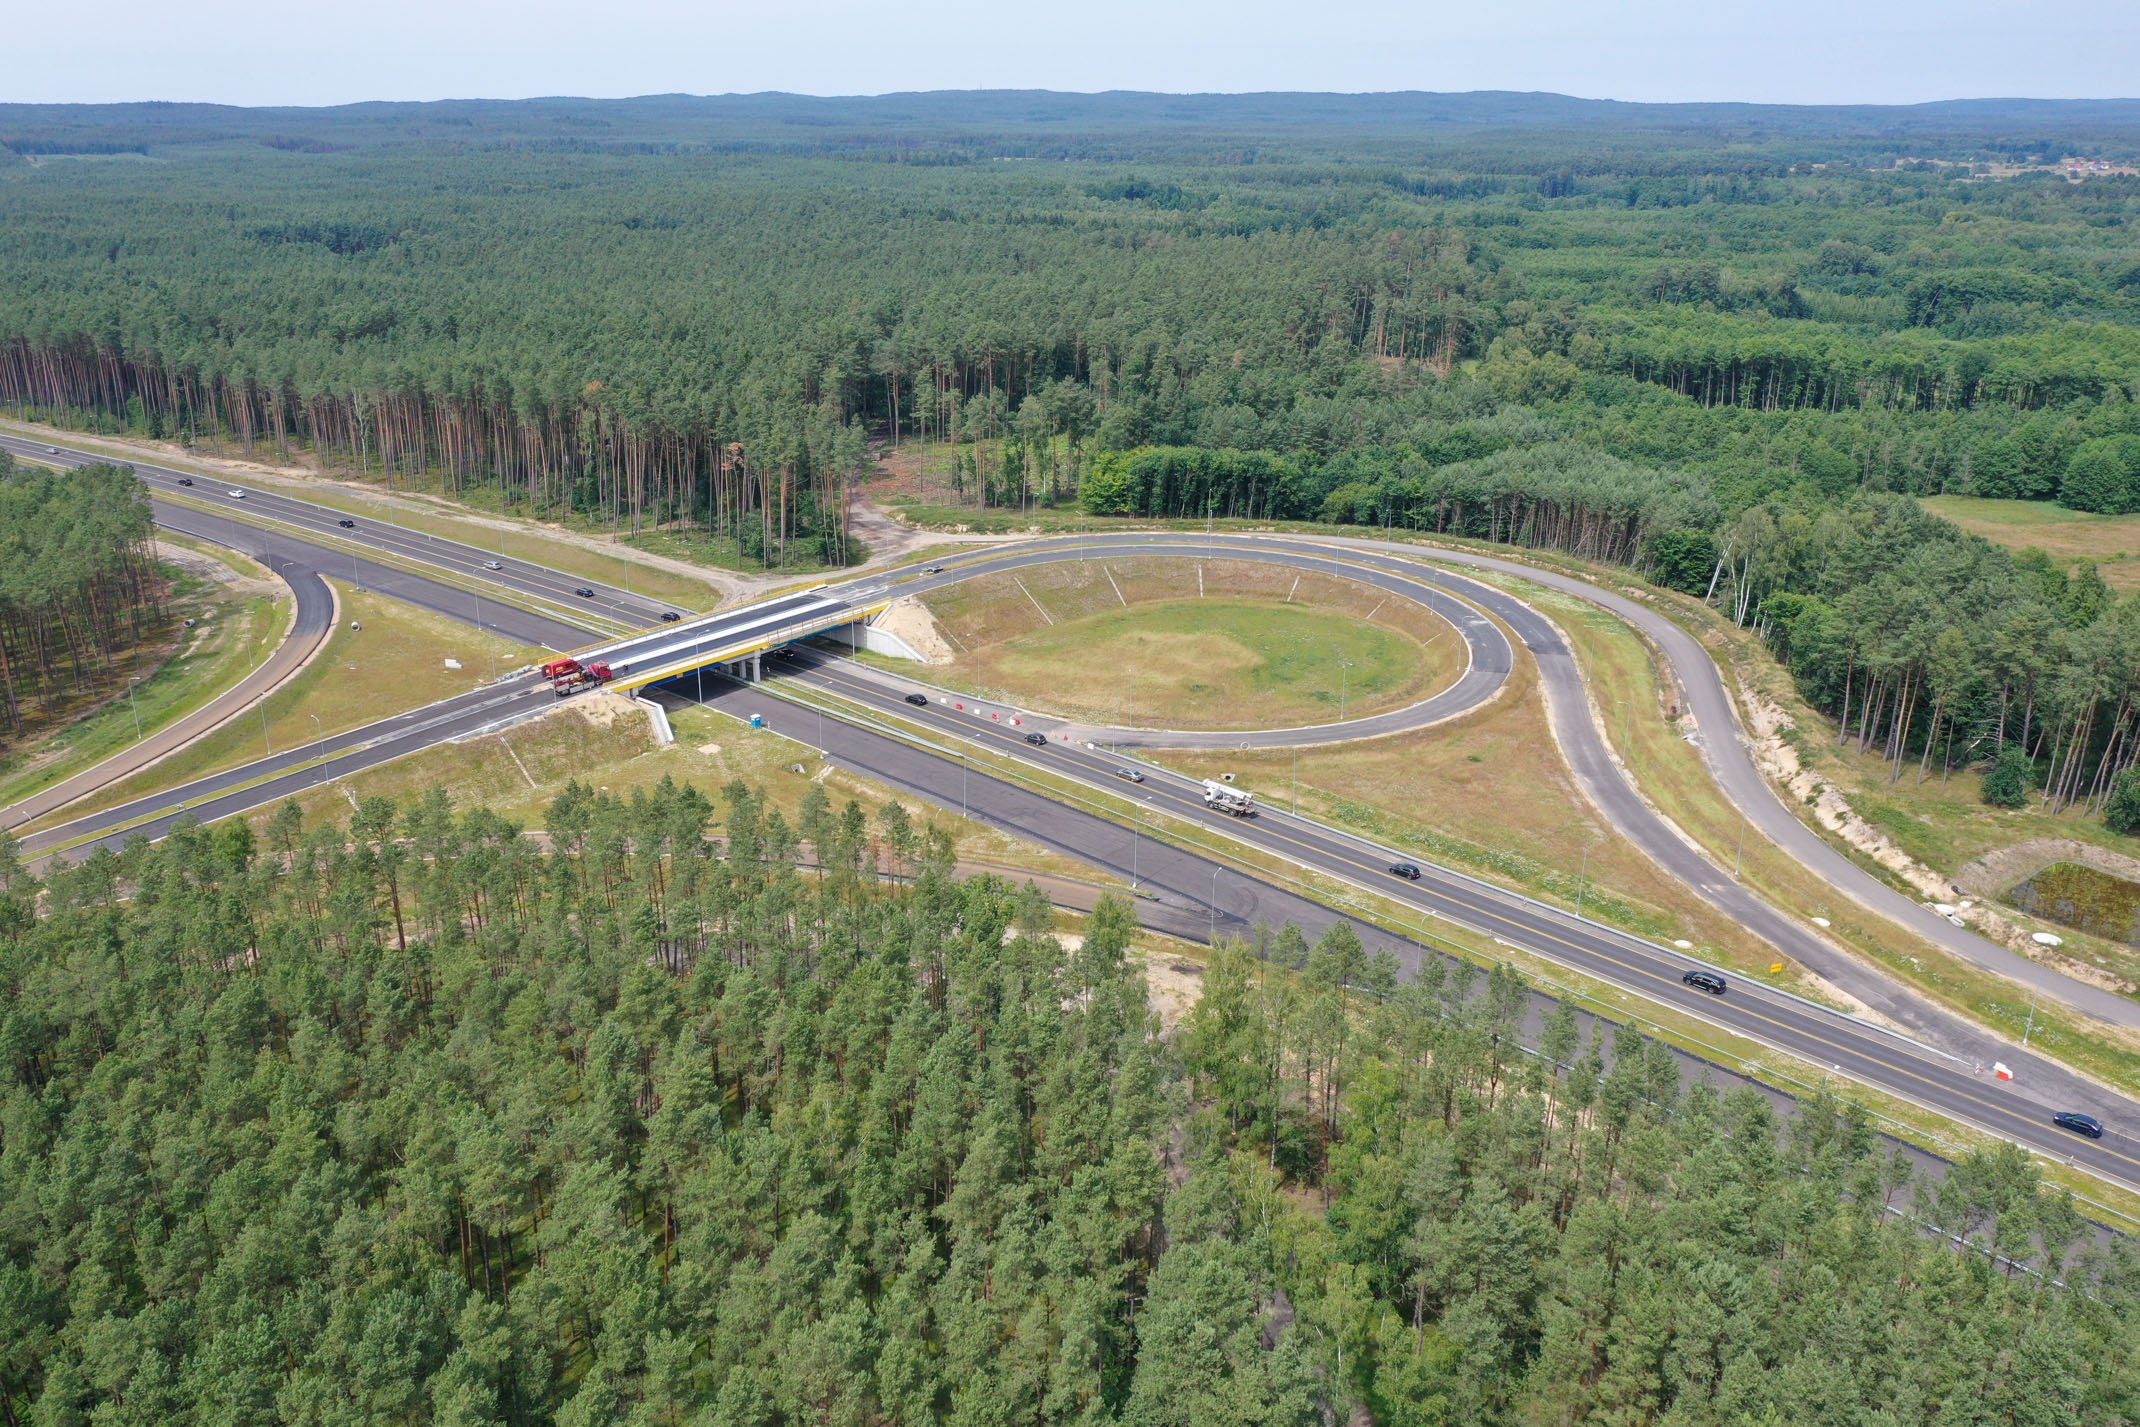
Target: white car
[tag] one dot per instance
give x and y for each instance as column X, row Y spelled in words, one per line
column 235, row 494
column 492, row 565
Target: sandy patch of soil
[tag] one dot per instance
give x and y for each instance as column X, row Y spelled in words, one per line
column 1767, row 724
column 909, row 619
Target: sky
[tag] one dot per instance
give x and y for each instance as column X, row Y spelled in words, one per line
column 1812, row 51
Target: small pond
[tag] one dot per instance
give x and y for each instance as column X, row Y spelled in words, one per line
column 2077, row 896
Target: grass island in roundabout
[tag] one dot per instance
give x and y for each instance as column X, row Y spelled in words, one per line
column 1159, row 642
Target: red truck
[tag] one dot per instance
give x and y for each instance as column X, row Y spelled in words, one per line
column 570, row 675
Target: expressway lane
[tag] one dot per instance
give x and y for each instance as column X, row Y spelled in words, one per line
column 292, row 771
column 2016, row 1110
column 1606, row 784
column 516, row 699
column 277, row 549
column 1920, row 1076
column 517, row 579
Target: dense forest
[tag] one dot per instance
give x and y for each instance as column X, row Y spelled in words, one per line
column 709, row 303
column 1714, row 345
column 78, row 582
column 415, row 1119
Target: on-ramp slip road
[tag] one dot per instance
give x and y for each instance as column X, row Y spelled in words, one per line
column 311, row 620
column 1853, row 1048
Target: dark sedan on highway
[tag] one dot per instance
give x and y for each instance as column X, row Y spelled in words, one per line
column 2080, row 1124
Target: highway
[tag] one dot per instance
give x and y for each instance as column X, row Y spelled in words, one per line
column 467, row 563
column 312, row 616
column 1853, row 1048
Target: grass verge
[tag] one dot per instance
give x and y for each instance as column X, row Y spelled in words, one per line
column 1626, row 685
column 1687, row 1032
column 581, row 557
column 395, row 662
column 237, row 619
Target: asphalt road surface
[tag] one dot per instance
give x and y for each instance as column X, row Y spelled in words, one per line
column 516, row 579
column 1234, row 902
column 1606, row 784
column 1958, row 1087
column 312, row 618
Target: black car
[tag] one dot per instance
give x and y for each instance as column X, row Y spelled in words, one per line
column 1705, row 981
column 920, row 700
column 1036, row 739
column 584, row 593
column 347, row 524
column 1405, row 870
column 670, row 616
column 2080, row 1124
column 185, row 480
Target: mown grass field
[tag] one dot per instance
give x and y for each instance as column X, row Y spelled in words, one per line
column 1182, row 643
column 2112, row 541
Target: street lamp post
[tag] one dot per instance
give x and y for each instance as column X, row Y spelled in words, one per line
column 1582, row 877
column 1213, row 904
column 1344, row 670
column 135, row 707
column 2029, row 1029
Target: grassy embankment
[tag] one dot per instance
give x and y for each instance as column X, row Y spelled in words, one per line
column 607, row 744
column 1682, row 1027
column 396, row 662
column 1183, row 643
column 239, row 613
column 514, row 536
column 1483, row 793
column 1670, row 772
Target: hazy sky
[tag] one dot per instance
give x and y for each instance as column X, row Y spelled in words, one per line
column 1813, row 51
